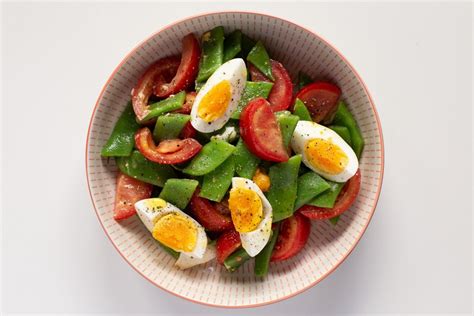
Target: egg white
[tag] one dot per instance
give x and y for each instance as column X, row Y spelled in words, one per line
column 150, row 210
column 253, row 242
column 185, row 261
column 306, row 131
column 235, row 72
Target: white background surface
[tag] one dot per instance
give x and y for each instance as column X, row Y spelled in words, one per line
column 416, row 255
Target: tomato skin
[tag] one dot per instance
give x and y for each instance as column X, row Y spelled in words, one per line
column 208, row 216
column 281, row 95
column 187, row 71
column 321, row 100
column 168, row 152
column 223, row 207
column 188, row 131
column 128, row 192
column 160, row 71
column 226, row 244
column 260, row 131
column 294, row 233
column 345, row 199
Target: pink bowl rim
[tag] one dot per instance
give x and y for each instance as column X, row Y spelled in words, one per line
column 372, row 104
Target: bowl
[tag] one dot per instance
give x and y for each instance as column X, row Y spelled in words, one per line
column 298, row 49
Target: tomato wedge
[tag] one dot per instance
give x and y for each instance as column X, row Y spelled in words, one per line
column 321, row 100
column 187, row 71
column 260, row 131
column 160, row 71
column 171, row 151
column 281, row 95
column 128, row 192
column 188, row 131
column 294, row 233
column 188, row 103
column 344, row 200
column 207, row 214
column 226, row 244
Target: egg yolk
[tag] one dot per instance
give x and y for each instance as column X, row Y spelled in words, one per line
column 155, row 204
column 176, row 231
column 214, row 104
column 326, row 156
column 262, row 180
column 246, row 209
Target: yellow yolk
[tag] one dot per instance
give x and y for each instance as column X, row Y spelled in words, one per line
column 262, row 180
column 155, row 204
column 176, row 231
column 326, row 156
column 246, row 209
column 214, row 104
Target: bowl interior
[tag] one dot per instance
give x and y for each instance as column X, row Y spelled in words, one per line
column 298, row 49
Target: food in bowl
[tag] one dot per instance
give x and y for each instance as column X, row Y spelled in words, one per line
column 222, row 157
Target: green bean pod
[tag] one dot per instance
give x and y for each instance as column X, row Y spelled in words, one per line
column 216, row 183
column 310, row 185
column 209, row 158
column 121, row 141
column 287, row 122
column 140, row 168
column 169, row 126
column 259, row 57
column 252, row 90
column 232, row 45
column 172, row 103
column 236, row 259
column 283, row 189
column 301, row 110
column 246, row 163
column 262, row 260
column 179, row 191
column 344, row 118
column 327, row 198
column 212, row 55
column 343, row 132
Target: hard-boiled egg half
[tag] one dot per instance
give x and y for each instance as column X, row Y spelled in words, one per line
column 324, row 151
column 251, row 214
column 176, row 230
column 219, row 97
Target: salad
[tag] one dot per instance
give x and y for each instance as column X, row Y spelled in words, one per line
column 222, row 157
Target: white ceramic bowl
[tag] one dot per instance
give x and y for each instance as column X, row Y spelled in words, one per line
column 298, row 49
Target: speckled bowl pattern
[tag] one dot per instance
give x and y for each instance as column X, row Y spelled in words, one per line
column 298, row 49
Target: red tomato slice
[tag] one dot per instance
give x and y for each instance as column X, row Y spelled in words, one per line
column 187, row 71
column 128, row 192
column 260, row 131
column 281, row 95
column 188, row 131
column 188, row 103
column 207, row 214
column 162, row 70
column 321, row 100
column 343, row 202
column 294, row 233
column 226, row 244
column 168, row 152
